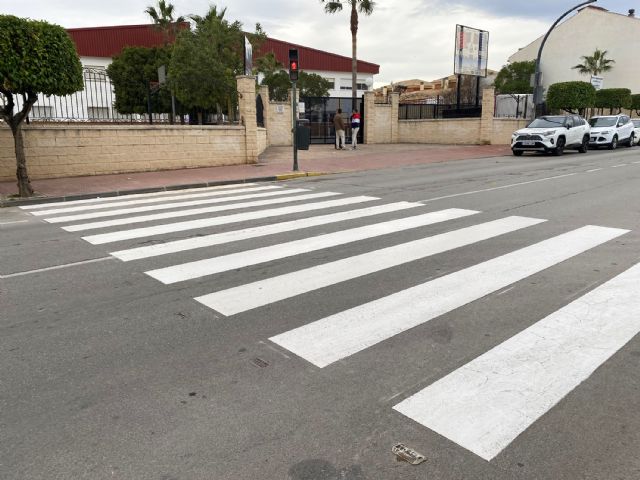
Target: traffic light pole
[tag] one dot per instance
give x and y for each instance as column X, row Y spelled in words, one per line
column 295, row 128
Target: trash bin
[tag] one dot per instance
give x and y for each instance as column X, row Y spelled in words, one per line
column 303, row 134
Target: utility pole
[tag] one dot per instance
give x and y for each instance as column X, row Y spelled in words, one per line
column 293, row 76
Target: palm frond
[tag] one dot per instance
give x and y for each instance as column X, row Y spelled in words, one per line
column 331, row 6
column 366, row 6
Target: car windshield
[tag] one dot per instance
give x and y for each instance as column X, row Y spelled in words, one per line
column 548, row 122
column 636, row 123
column 603, row 121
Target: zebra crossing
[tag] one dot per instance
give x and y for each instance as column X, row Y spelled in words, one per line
column 484, row 405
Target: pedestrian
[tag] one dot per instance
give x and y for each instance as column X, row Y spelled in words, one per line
column 338, row 124
column 355, row 128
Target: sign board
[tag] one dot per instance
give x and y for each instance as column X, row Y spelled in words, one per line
column 597, row 82
column 472, row 51
column 162, row 74
column 301, row 107
column 248, row 57
column 280, row 109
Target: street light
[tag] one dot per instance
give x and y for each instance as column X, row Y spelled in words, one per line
column 537, row 89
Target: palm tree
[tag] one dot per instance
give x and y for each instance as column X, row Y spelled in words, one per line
column 212, row 14
column 163, row 19
column 595, row 64
column 357, row 6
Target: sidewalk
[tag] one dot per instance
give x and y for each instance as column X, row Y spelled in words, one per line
column 274, row 164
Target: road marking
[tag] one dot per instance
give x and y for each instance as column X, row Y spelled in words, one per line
column 264, row 292
column 224, row 220
column 167, row 206
column 621, row 165
column 14, row 221
column 343, row 334
column 254, row 232
column 123, row 203
column 506, row 290
column 57, row 267
column 594, row 170
column 127, row 197
column 210, row 266
column 484, row 405
column 497, row 188
column 635, row 163
column 194, row 211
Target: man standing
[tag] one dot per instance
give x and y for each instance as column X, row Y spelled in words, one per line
column 355, row 128
column 338, row 124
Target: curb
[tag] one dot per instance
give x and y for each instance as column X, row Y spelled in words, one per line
column 117, row 193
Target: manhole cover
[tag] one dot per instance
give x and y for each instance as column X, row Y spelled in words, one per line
column 260, row 363
column 408, row 454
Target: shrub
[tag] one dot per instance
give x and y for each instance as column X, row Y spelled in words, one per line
column 571, row 96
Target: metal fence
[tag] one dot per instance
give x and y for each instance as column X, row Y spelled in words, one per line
column 514, row 106
column 427, row 111
column 95, row 103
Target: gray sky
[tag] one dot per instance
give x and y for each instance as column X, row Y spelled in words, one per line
column 407, row 38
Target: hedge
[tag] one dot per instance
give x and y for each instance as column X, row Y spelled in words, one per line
column 613, row 98
column 571, row 96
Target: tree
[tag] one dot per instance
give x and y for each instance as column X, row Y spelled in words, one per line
column 131, row 72
column 357, row 6
column 164, row 21
column 635, row 103
column 515, row 78
column 35, row 57
column 279, row 85
column 613, row 98
column 309, row 85
column 595, row 64
column 571, row 96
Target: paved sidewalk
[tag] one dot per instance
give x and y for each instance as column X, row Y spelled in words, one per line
column 274, row 164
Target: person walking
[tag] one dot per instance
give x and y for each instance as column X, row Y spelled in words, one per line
column 338, row 124
column 355, row 128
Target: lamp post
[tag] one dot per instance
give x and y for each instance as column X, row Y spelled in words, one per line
column 537, row 88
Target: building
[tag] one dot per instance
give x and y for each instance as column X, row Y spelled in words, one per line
column 332, row 67
column 580, row 35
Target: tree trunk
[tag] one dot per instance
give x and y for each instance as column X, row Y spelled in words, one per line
column 24, row 184
column 354, row 54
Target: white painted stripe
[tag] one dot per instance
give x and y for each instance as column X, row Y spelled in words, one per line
column 13, row 222
column 135, row 195
column 167, row 206
column 143, row 201
column 224, row 220
column 264, row 292
column 484, row 405
column 498, row 188
column 254, row 232
column 210, row 266
column 621, row 165
column 56, row 267
column 194, row 211
column 594, row 170
column 343, row 334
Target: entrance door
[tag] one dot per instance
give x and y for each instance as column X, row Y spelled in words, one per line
column 320, row 112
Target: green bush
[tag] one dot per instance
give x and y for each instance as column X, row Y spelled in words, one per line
column 571, row 96
column 635, row 103
column 613, row 98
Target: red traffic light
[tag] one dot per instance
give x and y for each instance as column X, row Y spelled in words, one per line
column 294, row 65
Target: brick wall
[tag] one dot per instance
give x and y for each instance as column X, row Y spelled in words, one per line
column 278, row 118
column 463, row 131
column 262, row 140
column 75, row 150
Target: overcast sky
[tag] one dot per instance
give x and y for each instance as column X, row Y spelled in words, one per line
column 407, row 38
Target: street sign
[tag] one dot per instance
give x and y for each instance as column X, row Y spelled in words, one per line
column 597, row 82
column 472, row 51
column 162, row 74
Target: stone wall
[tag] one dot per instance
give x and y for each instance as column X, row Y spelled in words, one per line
column 76, row 150
column 262, row 140
column 463, row 131
column 278, row 116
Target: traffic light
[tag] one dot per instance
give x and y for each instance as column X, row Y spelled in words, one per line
column 293, row 64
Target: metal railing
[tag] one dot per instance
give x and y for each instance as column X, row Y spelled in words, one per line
column 432, row 111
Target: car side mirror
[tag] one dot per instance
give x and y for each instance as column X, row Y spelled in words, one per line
column 568, row 127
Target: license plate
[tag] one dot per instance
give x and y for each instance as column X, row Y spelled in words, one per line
column 528, row 142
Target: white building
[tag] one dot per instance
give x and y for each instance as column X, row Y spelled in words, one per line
column 589, row 29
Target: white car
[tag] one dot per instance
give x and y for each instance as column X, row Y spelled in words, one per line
column 552, row 134
column 611, row 131
column 636, row 129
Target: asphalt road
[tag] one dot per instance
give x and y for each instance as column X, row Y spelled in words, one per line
column 507, row 350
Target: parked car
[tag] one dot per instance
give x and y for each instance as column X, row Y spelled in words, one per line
column 611, row 131
column 552, row 134
column 636, row 129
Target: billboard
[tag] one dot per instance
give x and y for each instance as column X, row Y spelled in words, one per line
column 472, row 51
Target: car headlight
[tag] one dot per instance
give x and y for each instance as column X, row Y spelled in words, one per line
column 550, row 133
column 605, row 132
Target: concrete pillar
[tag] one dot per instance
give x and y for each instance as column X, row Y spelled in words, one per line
column 395, row 121
column 264, row 93
column 486, row 122
column 247, row 107
column 369, row 116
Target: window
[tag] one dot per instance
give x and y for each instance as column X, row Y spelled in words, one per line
column 332, row 82
column 345, row 84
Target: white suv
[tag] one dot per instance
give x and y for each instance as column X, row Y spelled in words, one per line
column 611, row 131
column 552, row 134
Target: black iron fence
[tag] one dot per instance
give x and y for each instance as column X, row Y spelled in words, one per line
column 431, row 111
column 96, row 104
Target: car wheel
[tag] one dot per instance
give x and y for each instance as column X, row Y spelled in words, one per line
column 585, row 145
column 559, row 150
column 614, row 143
column 518, row 153
column 632, row 140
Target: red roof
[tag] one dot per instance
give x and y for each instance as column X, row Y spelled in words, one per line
column 109, row 41
column 312, row 59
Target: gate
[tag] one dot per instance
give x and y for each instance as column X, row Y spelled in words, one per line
column 320, row 112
